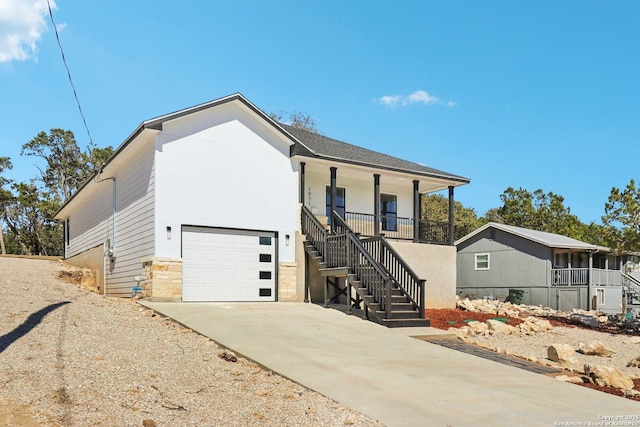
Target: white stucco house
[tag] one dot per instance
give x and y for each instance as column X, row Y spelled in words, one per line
column 218, row 202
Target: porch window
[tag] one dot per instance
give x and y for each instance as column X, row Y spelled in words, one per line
column 482, row 261
column 389, row 211
column 600, row 296
column 340, row 203
column 561, row 259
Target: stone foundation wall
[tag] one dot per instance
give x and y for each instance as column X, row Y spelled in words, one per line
column 287, row 281
column 162, row 279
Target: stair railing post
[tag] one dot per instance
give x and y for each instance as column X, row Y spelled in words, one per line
column 422, row 297
column 306, row 277
column 387, row 298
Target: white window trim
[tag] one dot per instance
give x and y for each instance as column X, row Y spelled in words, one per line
column 488, row 255
column 600, row 291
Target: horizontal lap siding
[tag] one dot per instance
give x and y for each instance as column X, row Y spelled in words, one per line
column 90, row 225
column 134, row 222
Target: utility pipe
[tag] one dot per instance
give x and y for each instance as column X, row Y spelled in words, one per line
column 113, row 207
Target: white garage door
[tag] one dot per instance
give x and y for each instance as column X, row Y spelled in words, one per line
column 228, row 265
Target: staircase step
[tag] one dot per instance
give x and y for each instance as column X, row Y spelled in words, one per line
column 405, row 323
column 398, row 314
column 402, row 306
column 335, row 271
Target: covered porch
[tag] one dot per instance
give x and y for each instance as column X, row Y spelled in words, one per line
column 581, row 268
column 374, row 202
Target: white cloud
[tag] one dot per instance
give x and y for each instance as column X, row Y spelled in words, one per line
column 390, row 100
column 22, row 23
column 417, row 97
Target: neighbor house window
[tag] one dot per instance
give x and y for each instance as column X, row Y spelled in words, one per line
column 482, row 261
column 389, row 211
column 600, row 296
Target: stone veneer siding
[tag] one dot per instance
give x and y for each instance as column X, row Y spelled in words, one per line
column 162, row 279
column 287, row 281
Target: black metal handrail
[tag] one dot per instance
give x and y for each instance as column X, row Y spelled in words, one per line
column 376, row 264
column 314, row 230
column 398, row 269
column 340, row 226
column 377, row 281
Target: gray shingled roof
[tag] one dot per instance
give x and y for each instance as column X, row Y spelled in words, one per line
column 315, row 145
column 550, row 240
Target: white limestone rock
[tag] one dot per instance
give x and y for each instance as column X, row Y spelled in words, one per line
column 608, row 376
column 562, row 353
column 498, row 327
column 595, row 348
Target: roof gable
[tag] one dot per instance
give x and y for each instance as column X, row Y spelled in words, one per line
column 550, row 240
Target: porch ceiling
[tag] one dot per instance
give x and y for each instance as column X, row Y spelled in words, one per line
column 365, row 173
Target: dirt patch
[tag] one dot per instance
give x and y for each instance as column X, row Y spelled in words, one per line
column 12, row 414
column 83, row 277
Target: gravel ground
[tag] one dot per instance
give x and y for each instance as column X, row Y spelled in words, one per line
column 71, row 357
column 535, row 346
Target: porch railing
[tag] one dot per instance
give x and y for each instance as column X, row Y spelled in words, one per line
column 397, row 227
column 580, row 277
column 436, row 232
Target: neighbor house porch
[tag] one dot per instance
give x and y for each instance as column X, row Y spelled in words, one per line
column 579, row 268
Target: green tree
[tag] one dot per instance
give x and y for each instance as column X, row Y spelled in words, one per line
column 621, row 218
column 297, row 119
column 67, row 165
column 29, row 218
column 435, row 207
column 537, row 211
column 29, row 213
column 5, row 197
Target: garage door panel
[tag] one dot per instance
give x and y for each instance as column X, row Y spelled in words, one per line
column 224, row 265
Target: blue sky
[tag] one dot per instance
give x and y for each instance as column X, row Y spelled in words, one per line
column 531, row 94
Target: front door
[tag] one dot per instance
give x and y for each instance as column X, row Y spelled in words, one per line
column 389, row 212
column 340, row 202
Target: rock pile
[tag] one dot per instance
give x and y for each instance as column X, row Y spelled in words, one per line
column 501, row 337
column 592, row 318
column 530, row 326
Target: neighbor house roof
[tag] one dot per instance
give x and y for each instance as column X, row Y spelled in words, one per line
column 547, row 239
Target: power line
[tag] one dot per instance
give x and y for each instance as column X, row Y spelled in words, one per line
column 64, row 60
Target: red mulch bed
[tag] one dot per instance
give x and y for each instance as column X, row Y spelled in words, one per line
column 446, row 318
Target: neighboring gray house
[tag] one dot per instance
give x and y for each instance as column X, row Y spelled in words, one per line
column 552, row 270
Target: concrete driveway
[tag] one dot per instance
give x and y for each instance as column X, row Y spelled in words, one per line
column 386, row 374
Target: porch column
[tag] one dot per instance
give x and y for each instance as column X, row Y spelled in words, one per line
column 569, row 268
column 376, row 204
column 334, row 196
column 417, row 216
column 302, row 184
column 590, row 281
column 451, row 226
